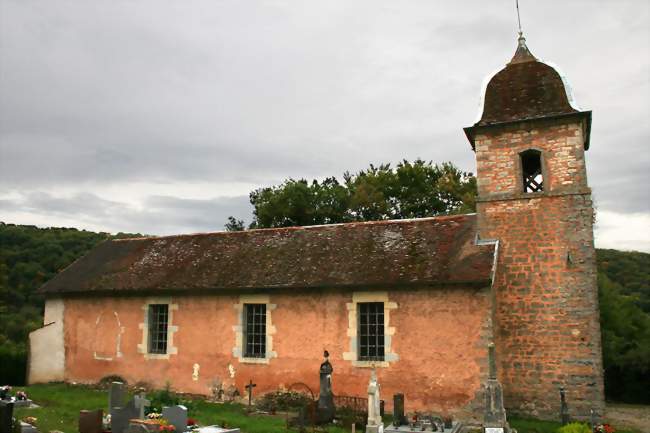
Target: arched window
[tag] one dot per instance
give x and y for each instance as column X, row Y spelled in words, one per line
column 531, row 169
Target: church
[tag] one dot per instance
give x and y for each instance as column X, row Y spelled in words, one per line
column 418, row 301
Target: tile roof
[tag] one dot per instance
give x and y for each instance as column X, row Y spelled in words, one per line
column 437, row 250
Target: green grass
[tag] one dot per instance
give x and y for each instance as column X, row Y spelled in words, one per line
column 525, row 425
column 61, row 403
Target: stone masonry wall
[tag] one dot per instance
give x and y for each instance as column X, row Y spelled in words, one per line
column 547, row 317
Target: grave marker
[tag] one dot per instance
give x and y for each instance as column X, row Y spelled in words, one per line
column 6, row 416
column 177, row 416
column 90, row 421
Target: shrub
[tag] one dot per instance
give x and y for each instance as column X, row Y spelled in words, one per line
column 574, row 427
column 282, row 400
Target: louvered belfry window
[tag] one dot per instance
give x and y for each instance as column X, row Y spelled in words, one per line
column 531, row 167
column 371, row 331
column 255, row 330
column 158, row 322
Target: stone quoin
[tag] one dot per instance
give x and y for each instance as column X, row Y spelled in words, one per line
column 417, row 300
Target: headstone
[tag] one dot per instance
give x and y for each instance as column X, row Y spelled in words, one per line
column 121, row 416
column 216, row 429
column 136, row 428
column 141, row 403
column 564, row 408
column 398, row 410
column 90, row 421
column 326, row 407
column 6, row 417
column 495, row 414
column 249, row 388
column 27, row 428
column 4, row 393
column 116, row 396
column 177, row 416
column 374, row 424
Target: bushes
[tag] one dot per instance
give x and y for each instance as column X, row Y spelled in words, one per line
column 574, row 427
column 13, row 364
column 282, row 400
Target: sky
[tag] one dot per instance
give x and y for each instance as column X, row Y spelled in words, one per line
column 159, row 117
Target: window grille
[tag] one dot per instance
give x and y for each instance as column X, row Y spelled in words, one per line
column 531, row 167
column 371, row 331
column 255, row 330
column 158, row 321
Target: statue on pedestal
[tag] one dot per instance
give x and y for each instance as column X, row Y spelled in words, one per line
column 326, row 398
column 374, row 424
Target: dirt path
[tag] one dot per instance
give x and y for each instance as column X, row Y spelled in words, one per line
column 628, row 415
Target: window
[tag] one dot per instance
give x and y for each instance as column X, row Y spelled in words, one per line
column 371, row 331
column 531, row 167
column 255, row 330
column 158, row 321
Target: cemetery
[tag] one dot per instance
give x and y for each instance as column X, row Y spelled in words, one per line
column 114, row 407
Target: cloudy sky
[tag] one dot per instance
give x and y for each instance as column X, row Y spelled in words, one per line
column 160, row 117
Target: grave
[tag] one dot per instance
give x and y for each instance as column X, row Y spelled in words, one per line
column 141, row 402
column 427, row 423
column 564, row 408
column 217, row 429
column 121, row 416
column 6, row 416
column 116, row 396
column 91, row 421
column 177, row 416
column 27, row 428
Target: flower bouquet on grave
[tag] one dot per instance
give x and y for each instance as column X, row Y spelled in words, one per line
column 21, row 395
column 604, row 428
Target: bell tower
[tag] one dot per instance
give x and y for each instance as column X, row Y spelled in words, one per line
column 533, row 197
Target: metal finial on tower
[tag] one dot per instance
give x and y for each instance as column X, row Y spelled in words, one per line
column 518, row 18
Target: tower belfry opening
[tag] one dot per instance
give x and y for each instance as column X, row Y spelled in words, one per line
column 531, row 168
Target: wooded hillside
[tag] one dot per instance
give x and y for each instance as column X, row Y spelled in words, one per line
column 29, row 256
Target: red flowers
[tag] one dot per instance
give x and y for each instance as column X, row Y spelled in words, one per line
column 191, row 421
column 167, row 428
column 604, row 428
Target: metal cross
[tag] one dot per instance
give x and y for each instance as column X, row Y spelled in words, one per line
column 250, row 387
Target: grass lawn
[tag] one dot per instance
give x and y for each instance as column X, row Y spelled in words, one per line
column 61, row 403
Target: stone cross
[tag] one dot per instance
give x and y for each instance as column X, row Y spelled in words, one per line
column 250, row 387
column 141, row 403
column 374, row 411
column 492, row 360
column 564, row 409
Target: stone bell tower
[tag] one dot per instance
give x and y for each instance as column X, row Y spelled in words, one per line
column 534, row 199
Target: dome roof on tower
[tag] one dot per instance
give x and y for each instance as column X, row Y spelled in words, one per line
column 525, row 89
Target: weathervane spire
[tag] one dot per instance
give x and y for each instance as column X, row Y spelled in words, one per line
column 521, row 34
column 522, row 54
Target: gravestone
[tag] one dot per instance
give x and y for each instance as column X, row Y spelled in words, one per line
column 494, row 419
column 398, row 410
column 116, row 396
column 27, row 428
column 121, row 416
column 141, row 402
column 90, row 421
column 136, row 428
column 374, row 424
column 250, row 387
column 177, row 416
column 217, row 429
column 6, row 417
column 326, row 397
column 564, row 408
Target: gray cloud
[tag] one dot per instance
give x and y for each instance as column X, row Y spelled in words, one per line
column 107, row 95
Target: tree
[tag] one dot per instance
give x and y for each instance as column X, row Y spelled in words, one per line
column 410, row 190
column 234, row 225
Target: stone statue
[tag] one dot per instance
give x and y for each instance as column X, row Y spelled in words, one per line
column 326, row 398
column 374, row 403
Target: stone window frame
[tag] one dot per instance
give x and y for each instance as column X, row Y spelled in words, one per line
column 389, row 332
column 238, row 350
column 143, row 347
column 520, row 172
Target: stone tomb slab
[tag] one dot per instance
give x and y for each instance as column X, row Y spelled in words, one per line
column 217, row 429
column 455, row 428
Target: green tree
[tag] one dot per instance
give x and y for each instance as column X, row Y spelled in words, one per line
column 234, row 225
column 410, row 190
